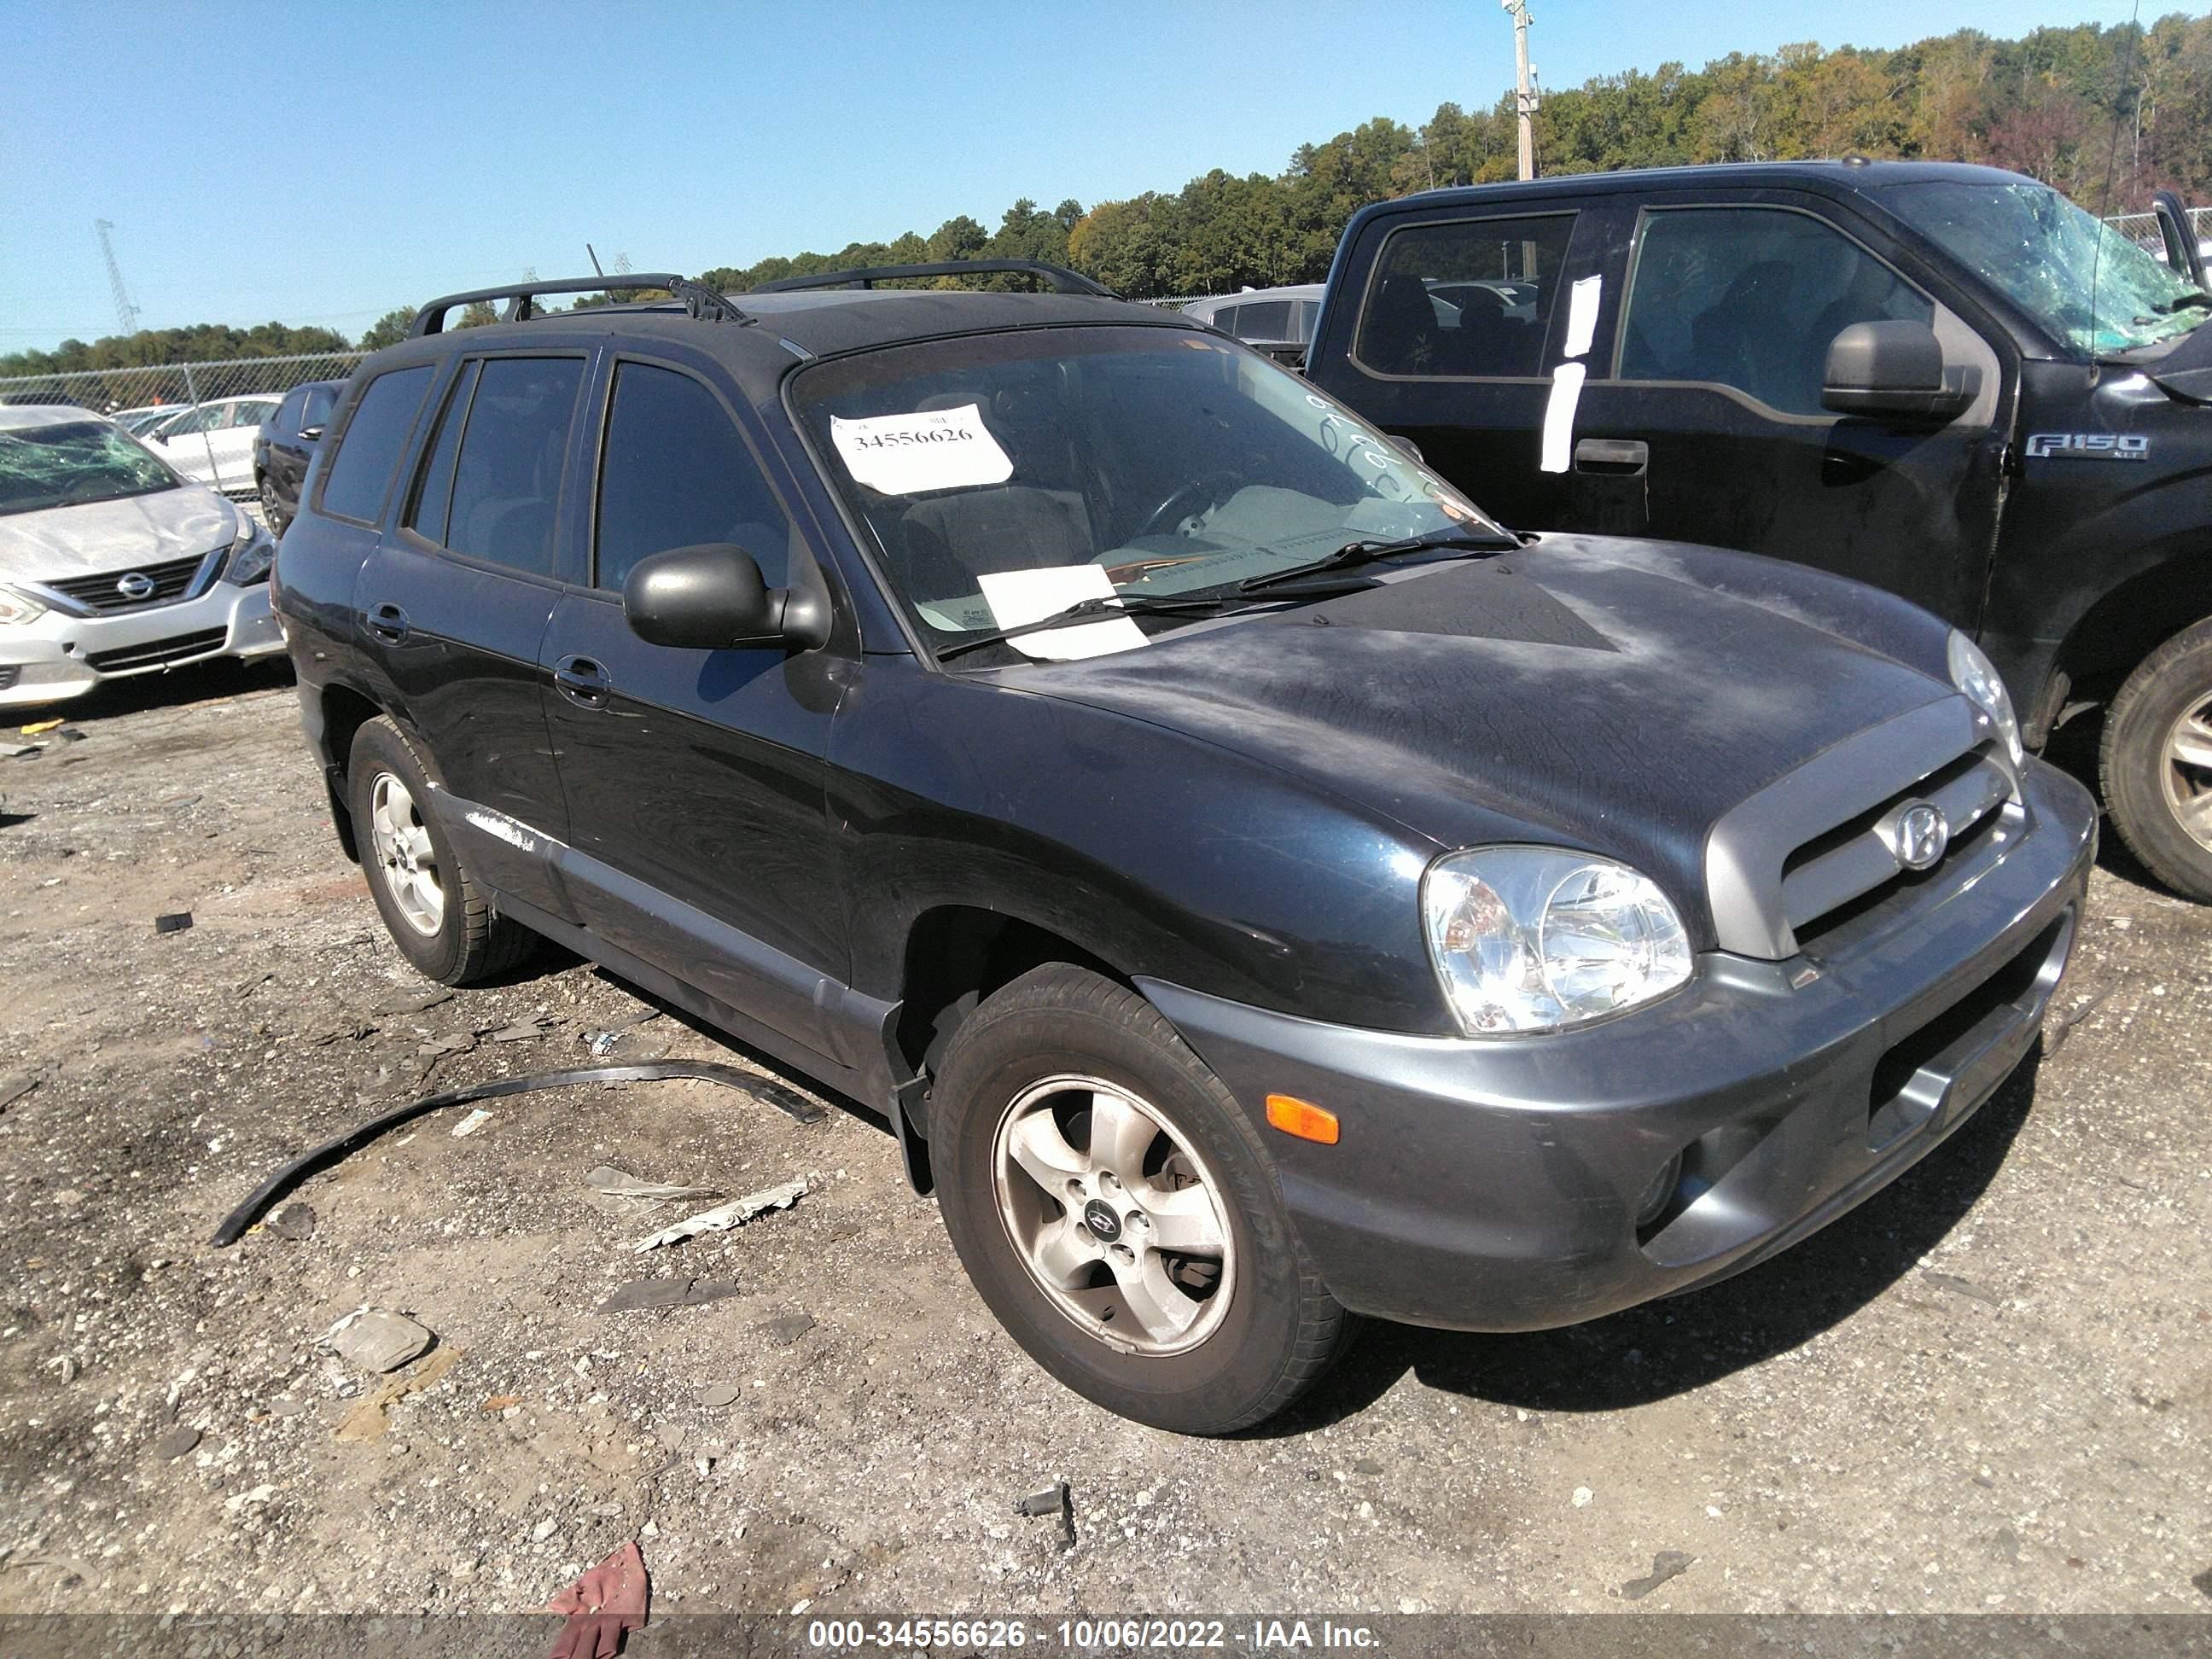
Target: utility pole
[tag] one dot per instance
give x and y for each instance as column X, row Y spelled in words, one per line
column 1525, row 98
column 126, row 314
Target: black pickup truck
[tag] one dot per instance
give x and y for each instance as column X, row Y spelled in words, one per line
column 1948, row 381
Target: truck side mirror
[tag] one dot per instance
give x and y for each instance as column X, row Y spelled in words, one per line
column 1896, row 369
column 712, row 597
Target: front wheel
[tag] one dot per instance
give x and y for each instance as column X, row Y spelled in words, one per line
column 2157, row 762
column 1116, row 1211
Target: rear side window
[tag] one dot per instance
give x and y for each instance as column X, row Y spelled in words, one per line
column 433, row 497
column 1471, row 298
column 360, row 474
column 1265, row 319
column 1751, row 298
column 676, row 472
column 507, row 476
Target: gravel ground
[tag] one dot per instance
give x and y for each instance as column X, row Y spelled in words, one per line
column 1990, row 1388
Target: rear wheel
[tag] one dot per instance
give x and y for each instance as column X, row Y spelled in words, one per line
column 271, row 513
column 441, row 920
column 1116, row 1212
column 2157, row 762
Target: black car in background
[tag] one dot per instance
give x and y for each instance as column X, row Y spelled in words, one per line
column 1254, row 885
column 284, row 446
column 1946, row 380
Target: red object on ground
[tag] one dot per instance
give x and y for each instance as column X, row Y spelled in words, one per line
column 603, row 1606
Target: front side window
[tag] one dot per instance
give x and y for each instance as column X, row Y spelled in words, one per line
column 1178, row 463
column 72, row 462
column 288, row 413
column 506, row 476
column 675, row 473
column 1752, row 298
column 321, row 400
column 2068, row 269
column 1470, row 298
column 360, row 474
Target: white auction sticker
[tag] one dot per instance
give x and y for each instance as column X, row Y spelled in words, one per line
column 933, row 449
column 1026, row 596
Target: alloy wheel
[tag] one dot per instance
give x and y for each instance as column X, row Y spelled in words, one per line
column 1114, row 1215
column 405, row 856
column 2186, row 772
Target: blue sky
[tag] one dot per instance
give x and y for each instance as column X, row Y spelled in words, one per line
column 324, row 163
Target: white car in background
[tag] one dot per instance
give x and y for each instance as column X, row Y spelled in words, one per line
column 212, row 443
column 112, row 565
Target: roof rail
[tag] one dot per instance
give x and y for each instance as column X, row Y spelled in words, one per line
column 1059, row 278
column 701, row 302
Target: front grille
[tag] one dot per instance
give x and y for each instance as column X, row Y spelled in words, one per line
column 171, row 580
column 158, row 653
column 1849, row 872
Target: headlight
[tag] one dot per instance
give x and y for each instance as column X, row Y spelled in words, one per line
column 1976, row 675
column 251, row 554
column 1531, row 938
column 16, row 608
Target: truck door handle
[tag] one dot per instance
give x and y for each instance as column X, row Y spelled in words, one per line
column 1623, row 456
column 582, row 681
column 388, row 623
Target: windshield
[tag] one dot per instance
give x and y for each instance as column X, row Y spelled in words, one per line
column 1176, row 464
column 2049, row 258
column 74, row 461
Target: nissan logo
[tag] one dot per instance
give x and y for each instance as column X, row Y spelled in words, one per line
column 135, row 585
column 1919, row 833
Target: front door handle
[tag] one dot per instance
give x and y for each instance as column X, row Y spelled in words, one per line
column 388, row 623
column 1621, row 457
column 582, row 681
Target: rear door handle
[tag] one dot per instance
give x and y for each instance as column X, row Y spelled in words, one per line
column 388, row 623
column 1626, row 456
column 582, row 681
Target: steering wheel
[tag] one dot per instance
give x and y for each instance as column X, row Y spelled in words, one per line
column 1186, row 500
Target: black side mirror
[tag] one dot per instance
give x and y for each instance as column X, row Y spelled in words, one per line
column 712, row 597
column 1896, row 369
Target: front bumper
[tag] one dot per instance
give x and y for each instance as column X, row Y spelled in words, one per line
column 59, row 656
column 1493, row 1184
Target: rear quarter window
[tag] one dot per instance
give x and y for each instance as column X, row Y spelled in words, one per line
column 360, row 475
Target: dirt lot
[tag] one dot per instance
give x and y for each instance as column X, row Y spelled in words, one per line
column 1990, row 1387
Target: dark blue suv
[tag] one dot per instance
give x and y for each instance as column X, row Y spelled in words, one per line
column 1256, row 886
column 286, row 444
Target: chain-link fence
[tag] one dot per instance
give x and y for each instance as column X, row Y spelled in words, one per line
column 2141, row 229
column 199, row 417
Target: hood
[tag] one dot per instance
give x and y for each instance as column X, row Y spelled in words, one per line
column 1616, row 695
column 2187, row 371
column 91, row 536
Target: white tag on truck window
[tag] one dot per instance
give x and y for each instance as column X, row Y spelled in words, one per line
column 1581, row 314
column 935, row 449
column 1025, row 596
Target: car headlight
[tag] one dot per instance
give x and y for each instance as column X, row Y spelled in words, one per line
column 1976, row 675
column 16, row 608
column 251, row 554
column 1533, row 939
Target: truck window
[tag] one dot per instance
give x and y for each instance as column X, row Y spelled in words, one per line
column 1751, row 298
column 1470, row 298
column 678, row 473
column 360, row 472
column 1269, row 319
column 506, row 477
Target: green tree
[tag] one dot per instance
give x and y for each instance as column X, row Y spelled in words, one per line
column 389, row 329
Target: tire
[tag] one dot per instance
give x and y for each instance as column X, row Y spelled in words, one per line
column 440, row 919
column 2156, row 762
column 271, row 514
column 1044, row 1052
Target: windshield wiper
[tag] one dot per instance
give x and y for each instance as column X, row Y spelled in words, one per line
column 1100, row 609
column 1352, row 554
column 2181, row 301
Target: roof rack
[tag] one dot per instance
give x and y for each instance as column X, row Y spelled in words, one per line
column 703, row 303
column 1059, row 278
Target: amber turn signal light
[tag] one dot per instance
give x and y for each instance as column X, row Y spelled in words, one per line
column 1302, row 1118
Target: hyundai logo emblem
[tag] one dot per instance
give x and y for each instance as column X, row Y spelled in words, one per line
column 135, row 585
column 1918, row 834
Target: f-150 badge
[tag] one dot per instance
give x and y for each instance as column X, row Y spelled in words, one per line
column 2088, row 446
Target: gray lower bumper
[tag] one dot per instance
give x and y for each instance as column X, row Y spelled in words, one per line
column 1493, row 1185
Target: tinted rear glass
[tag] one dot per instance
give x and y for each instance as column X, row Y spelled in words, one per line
column 360, row 472
column 507, row 483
